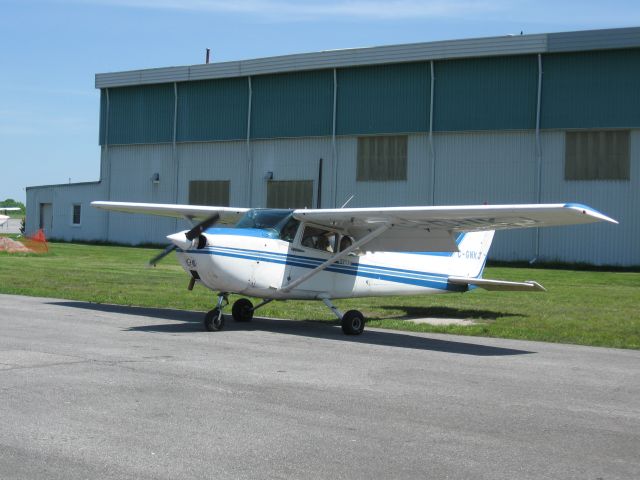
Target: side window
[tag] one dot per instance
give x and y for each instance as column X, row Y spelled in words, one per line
column 345, row 242
column 319, row 239
column 288, row 232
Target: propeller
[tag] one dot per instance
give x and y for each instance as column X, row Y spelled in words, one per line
column 179, row 238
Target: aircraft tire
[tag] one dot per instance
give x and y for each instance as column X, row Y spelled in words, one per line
column 242, row 310
column 352, row 323
column 213, row 321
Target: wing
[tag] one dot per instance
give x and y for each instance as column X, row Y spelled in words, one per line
column 9, row 209
column 227, row 214
column 434, row 228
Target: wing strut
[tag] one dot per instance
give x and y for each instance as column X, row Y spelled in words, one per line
column 359, row 243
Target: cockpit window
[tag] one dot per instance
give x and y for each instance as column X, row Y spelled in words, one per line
column 278, row 223
column 319, row 239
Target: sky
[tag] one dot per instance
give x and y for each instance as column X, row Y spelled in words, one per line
column 50, row 51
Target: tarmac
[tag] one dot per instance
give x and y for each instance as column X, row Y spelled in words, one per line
column 102, row 391
column 12, row 225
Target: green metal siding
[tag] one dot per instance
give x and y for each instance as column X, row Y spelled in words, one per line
column 141, row 114
column 212, row 110
column 383, row 99
column 591, row 89
column 486, row 94
column 292, row 104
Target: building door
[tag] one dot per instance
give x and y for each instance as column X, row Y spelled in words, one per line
column 46, row 218
column 290, row 194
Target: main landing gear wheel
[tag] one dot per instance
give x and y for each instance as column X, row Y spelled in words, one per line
column 214, row 320
column 242, row 310
column 353, row 322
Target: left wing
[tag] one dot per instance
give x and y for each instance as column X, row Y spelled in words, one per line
column 227, row 214
column 433, row 229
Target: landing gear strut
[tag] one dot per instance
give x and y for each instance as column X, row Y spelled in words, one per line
column 352, row 322
column 214, row 320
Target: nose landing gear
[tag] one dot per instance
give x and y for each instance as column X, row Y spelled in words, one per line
column 214, row 319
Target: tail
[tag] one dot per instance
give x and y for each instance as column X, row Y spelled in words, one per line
column 471, row 257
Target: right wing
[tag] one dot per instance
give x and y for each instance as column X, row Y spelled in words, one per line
column 434, row 229
column 190, row 212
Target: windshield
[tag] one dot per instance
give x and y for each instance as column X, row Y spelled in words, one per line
column 269, row 219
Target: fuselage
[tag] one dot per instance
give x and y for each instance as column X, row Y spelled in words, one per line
column 251, row 262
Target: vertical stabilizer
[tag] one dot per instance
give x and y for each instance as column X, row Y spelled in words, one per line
column 471, row 257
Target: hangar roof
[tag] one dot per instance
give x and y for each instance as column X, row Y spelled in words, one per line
column 476, row 47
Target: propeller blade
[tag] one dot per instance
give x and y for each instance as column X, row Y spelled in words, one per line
column 161, row 255
column 202, row 226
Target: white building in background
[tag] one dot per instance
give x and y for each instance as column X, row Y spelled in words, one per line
column 550, row 118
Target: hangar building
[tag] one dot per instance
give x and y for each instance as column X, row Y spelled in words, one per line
column 515, row 119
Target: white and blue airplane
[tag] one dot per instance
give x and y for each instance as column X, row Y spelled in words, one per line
column 5, row 218
column 327, row 254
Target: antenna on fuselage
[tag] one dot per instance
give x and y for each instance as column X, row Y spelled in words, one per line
column 348, row 200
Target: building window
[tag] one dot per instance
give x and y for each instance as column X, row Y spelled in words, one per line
column 597, row 155
column 77, row 209
column 290, row 194
column 213, row 193
column 382, row 158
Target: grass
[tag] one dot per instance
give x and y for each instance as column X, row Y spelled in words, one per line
column 581, row 307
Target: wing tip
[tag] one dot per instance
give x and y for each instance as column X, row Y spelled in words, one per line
column 592, row 212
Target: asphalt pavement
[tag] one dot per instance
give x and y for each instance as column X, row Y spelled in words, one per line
column 99, row 391
column 12, row 225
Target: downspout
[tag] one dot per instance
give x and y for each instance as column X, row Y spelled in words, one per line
column 108, row 161
column 249, row 158
column 174, row 146
column 538, row 156
column 431, row 149
column 334, row 150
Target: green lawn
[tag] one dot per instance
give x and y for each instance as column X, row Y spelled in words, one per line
column 581, row 307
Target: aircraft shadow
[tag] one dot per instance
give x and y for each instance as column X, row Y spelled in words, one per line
column 447, row 312
column 192, row 322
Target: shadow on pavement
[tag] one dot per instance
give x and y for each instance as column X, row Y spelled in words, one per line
column 446, row 312
column 190, row 321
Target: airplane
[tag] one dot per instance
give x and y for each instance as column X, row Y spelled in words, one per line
column 5, row 218
column 327, row 254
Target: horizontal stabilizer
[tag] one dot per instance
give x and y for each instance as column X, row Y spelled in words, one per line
column 528, row 286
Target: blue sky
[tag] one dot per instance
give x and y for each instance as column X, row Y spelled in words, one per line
column 51, row 50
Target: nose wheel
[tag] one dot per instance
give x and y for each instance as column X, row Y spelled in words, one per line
column 214, row 319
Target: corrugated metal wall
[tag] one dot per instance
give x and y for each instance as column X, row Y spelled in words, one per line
column 292, row 105
column 383, row 99
column 132, row 168
column 212, row 110
column 214, row 161
column 290, row 159
column 486, row 94
column 598, row 243
column 591, row 89
column 141, row 114
column 62, row 198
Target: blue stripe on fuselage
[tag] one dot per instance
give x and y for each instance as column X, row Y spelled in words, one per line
column 390, row 274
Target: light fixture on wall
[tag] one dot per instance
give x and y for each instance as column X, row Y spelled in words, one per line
column 268, row 176
column 155, row 178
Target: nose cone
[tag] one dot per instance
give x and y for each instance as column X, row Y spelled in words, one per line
column 180, row 240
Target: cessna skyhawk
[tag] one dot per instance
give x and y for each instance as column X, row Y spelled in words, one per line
column 326, row 254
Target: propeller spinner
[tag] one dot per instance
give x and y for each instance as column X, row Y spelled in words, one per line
column 185, row 240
